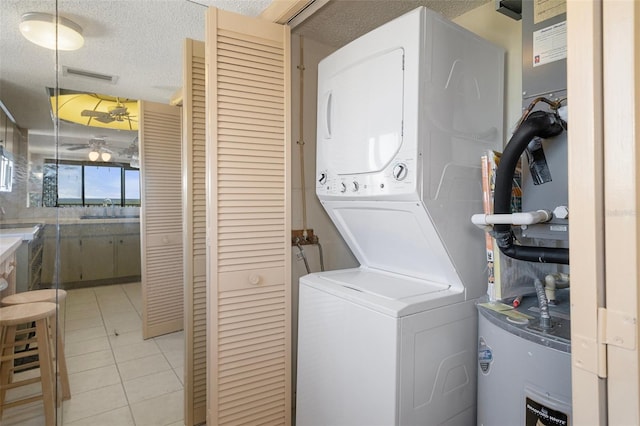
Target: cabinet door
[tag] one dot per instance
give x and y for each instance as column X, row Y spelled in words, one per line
column 127, row 255
column 97, row 258
column 48, row 260
column 70, row 265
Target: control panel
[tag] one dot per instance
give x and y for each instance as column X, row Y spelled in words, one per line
column 398, row 178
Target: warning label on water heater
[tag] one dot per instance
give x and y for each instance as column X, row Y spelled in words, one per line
column 550, row 44
column 537, row 414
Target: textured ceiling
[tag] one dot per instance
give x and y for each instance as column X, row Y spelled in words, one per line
column 140, row 42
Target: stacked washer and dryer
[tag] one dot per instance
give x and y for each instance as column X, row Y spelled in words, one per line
column 404, row 114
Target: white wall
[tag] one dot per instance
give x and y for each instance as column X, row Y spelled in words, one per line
column 336, row 253
column 507, row 33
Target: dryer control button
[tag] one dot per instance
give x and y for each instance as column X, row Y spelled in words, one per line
column 355, row 186
column 343, row 187
column 400, row 171
column 322, row 178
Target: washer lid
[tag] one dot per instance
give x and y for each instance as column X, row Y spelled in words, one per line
column 393, row 294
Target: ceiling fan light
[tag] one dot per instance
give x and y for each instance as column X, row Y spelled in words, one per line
column 94, row 155
column 106, row 156
column 40, row 28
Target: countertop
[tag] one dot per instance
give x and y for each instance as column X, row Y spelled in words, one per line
column 73, row 221
column 24, row 233
column 8, row 244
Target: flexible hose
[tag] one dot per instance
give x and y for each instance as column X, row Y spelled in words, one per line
column 321, row 256
column 304, row 257
column 545, row 318
column 538, row 124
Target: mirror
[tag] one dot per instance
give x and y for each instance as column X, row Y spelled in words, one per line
column 91, row 252
column 131, row 51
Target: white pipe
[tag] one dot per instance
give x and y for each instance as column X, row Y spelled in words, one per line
column 553, row 282
column 485, row 221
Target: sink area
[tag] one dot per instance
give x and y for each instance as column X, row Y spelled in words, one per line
column 26, row 231
column 18, row 225
column 97, row 216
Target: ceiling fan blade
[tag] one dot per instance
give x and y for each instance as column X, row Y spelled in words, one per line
column 118, row 111
column 90, row 113
column 105, row 118
column 77, row 147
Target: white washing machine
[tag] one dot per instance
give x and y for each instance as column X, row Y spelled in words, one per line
column 404, row 114
column 376, row 349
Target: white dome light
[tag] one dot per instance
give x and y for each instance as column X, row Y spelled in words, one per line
column 40, row 28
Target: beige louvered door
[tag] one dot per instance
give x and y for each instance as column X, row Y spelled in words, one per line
column 248, row 221
column 194, row 213
column 161, row 219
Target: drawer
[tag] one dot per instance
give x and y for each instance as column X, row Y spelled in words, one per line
column 8, row 266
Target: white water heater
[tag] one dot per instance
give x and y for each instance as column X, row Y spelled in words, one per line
column 404, row 114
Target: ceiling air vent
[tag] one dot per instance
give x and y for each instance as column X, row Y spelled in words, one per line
column 75, row 72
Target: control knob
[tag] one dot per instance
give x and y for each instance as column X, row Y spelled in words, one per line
column 400, row 171
column 355, row 186
column 343, row 187
column 322, row 178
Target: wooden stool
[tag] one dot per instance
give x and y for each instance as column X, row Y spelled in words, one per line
column 46, row 295
column 55, row 296
column 10, row 318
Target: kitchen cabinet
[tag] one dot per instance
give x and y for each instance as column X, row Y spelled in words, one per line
column 8, row 247
column 93, row 253
column 97, row 257
column 127, row 255
column 70, row 267
column 28, row 255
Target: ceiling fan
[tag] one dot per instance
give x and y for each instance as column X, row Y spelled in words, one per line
column 117, row 112
column 97, row 143
column 97, row 149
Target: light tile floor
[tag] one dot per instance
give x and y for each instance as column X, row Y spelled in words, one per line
column 116, row 377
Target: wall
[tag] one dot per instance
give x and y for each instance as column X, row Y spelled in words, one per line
column 336, row 253
column 15, row 141
column 507, row 33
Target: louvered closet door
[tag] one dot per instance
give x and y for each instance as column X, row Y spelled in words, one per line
column 248, row 220
column 161, row 219
column 194, row 211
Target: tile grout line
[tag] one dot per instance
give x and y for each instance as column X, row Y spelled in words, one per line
column 100, row 302
column 115, row 360
column 104, row 325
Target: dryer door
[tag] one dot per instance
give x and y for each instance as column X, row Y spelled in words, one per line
column 361, row 112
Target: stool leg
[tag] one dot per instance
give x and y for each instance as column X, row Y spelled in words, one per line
column 6, row 366
column 46, row 372
column 61, row 362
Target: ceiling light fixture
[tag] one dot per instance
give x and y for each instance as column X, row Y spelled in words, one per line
column 106, row 156
column 40, row 28
column 94, row 155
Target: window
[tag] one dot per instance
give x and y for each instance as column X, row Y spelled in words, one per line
column 132, row 187
column 74, row 183
column 102, row 183
column 69, row 184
